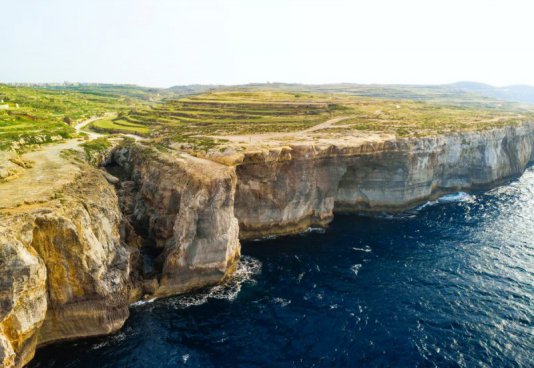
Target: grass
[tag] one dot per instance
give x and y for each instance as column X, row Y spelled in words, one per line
column 38, row 115
column 118, row 126
column 415, row 118
column 98, row 145
column 195, row 121
column 201, row 122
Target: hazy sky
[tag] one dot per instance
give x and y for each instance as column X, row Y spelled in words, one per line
column 164, row 42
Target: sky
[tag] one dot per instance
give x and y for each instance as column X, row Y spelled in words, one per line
column 162, row 43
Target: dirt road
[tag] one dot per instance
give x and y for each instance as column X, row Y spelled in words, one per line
column 49, row 172
column 264, row 137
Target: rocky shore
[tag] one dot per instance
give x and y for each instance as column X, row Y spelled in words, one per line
column 163, row 223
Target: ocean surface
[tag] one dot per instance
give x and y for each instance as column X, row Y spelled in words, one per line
column 450, row 284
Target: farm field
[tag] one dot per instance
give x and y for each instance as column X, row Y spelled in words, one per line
column 201, row 122
column 212, row 117
column 38, row 115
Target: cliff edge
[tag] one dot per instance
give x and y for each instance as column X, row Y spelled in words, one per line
column 164, row 222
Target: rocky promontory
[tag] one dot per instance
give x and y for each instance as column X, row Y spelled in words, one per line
column 282, row 190
column 65, row 270
column 162, row 222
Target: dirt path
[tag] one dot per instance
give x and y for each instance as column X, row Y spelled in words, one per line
column 92, row 135
column 264, row 137
column 49, row 172
column 327, row 124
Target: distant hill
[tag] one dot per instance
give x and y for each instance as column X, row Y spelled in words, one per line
column 517, row 93
column 461, row 93
column 193, row 89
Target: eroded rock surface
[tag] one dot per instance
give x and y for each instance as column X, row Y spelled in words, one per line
column 23, row 299
column 285, row 190
column 65, row 272
column 183, row 206
column 72, row 261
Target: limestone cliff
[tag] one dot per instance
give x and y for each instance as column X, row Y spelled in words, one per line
column 65, row 272
column 23, row 300
column 284, row 190
column 183, row 206
column 71, row 264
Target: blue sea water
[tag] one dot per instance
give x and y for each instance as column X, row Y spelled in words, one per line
column 450, row 284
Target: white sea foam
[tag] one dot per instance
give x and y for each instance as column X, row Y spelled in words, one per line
column 425, row 205
column 269, row 237
column 283, row 302
column 142, row 302
column 317, row 230
column 314, row 230
column 449, row 198
column 356, row 268
column 366, row 249
column 455, row 197
column 247, row 268
column 121, row 336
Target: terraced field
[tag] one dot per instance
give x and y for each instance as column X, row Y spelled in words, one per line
column 413, row 118
column 207, row 120
column 212, row 119
column 194, row 120
column 119, row 126
column 30, row 115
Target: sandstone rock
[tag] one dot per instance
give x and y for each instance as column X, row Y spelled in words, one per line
column 65, row 273
column 110, row 178
column 286, row 190
column 23, row 301
column 21, row 162
column 184, row 206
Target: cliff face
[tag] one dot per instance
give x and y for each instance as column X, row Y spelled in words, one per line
column 88, row 267
column 184, row 208
column 70, row 265
column 65, row 272
column 23, row 300
column 286, row 190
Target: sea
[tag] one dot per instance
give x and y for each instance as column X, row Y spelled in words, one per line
column 447, row 284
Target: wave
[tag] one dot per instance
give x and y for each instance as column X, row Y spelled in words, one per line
column 455, row 197
column 311, row 229
column 366, row 249
column 448, row 198
column 427, row 204
column 247, row 269
column 356, row 268
column 142, row 302
column 316, row 230
column 281, row 301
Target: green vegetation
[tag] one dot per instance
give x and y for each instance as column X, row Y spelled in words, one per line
column 413, row 118
column 95, row 148
column 196, row 121
column 96, row 145
column 118, row 126
column 36, row 115
column 220, row 113
column 207, row 120
column 459, row 94
column 201, row 122
column 127, row 93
